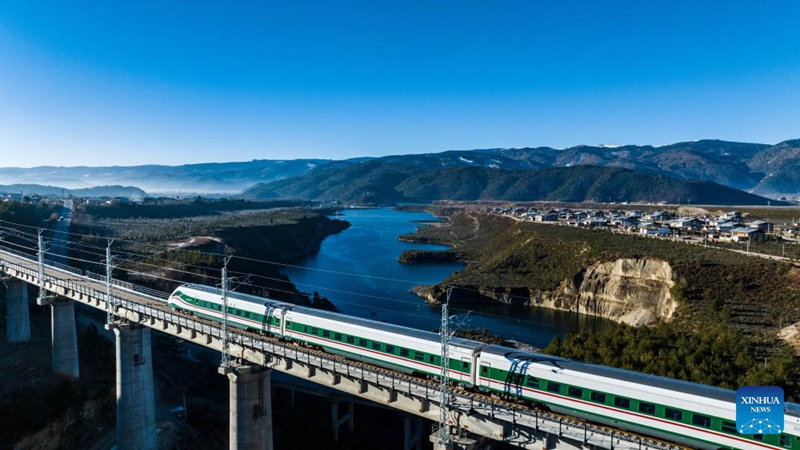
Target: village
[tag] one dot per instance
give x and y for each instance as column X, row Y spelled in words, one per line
column 731, row 226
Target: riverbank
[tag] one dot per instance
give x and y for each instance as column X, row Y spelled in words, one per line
column 698, row 295
column 193, row 249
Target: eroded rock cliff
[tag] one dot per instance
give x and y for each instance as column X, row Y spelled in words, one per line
column 627, row 290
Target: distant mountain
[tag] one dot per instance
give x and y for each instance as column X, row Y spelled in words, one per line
column 210, row 177
column 97, row 191
column 758, row 168
column 381, row 182
column 781, row 166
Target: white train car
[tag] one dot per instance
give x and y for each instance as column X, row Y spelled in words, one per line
column 404, row 349
column 693, row 414
column 244, row 311
column 689, row 413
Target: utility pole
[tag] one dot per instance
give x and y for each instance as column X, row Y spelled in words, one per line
column 109, row 299
column 444, row 397
column 41, row 298
column 225, row 360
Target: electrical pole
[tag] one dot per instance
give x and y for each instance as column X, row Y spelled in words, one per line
column 109, row 299
column 225, row 360
column 444, row 399
column 41, row 297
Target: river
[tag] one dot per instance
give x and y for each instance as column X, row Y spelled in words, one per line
column 358, row 271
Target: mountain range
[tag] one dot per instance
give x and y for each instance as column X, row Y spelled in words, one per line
column 502, row 173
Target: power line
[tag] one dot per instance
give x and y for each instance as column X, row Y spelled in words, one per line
column 250, row 259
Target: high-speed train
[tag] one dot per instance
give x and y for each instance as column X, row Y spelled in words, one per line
column 687, row 413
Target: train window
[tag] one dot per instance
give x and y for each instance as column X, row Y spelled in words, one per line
column 786, row 441
column 464, row 365
column 758, row 437
column 575, row 392
column 647, row 408
column 404, row 352
column 362, row 342
column 390, row 349
column 351, row 340
column 674, row 414
column 622, row 402
column 337, row 336
column 326, row 333
column 701, row 420
column 729, row 427
column 532, row 381
column 432, row 359
column 419, row 356
column 315, row 331
column 598, row 397
column 485, row 370
column 376, row 345
column 553, row 387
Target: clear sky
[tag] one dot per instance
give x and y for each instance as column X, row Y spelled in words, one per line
column 173, row 82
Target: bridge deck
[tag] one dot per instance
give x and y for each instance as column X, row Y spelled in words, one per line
column 480, row 414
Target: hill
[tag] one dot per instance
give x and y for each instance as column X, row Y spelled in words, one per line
column 210, row 177
column 728, row 307
column 781, row 166
column 55, row 191
column 381, row 182
column 760, row 168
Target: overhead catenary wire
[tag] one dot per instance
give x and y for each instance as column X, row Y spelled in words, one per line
column 279, row 264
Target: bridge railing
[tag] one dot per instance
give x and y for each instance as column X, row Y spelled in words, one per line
column 460, row 401
column 63, row 266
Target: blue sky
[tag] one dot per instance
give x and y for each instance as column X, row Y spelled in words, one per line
column 123, row 83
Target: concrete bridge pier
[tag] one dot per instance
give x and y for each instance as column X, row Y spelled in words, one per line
column 18, row 321
column 250, row 421
column 459, row 441
column 337, row 421
column 412, row 433
column 136, row 410
column 64, row 337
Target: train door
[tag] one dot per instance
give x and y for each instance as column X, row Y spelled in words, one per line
column 465, row 369
column 287, row 327
column 484, row 373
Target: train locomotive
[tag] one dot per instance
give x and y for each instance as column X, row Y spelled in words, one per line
column 687, row 413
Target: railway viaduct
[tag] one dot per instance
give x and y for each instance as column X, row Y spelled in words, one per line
column 134, row 312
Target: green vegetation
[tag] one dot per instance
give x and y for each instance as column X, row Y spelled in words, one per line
column 26, row 214
column 715, row 355
column 175, row 209
column 730, row 305
column 378, row 181
column 166, row 252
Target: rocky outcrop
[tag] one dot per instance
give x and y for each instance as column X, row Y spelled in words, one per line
column 632, row 291
column 430, row 256
column 791, row 335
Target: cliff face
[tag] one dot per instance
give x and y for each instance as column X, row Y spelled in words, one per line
column 632, row 291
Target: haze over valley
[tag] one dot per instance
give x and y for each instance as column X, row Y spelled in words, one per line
column 705, row 172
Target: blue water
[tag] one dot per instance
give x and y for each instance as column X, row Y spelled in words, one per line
column 358, row 271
